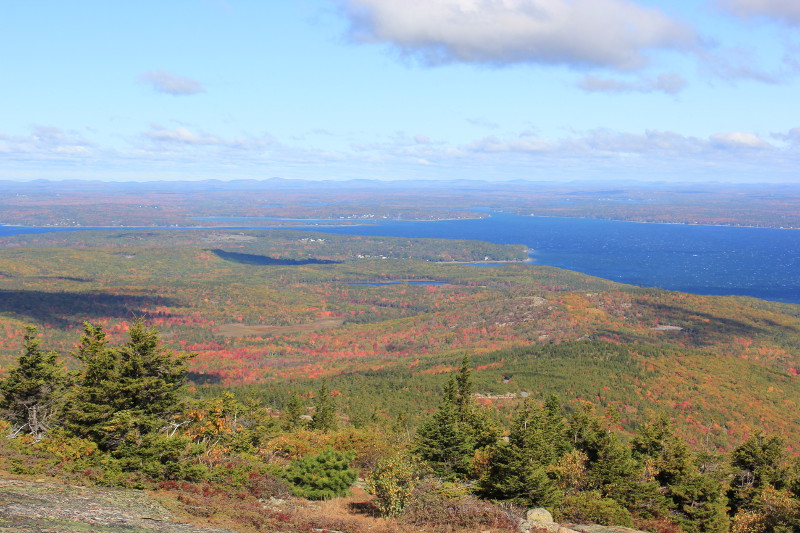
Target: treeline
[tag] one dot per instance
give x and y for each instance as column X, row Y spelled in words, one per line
column 124, row 417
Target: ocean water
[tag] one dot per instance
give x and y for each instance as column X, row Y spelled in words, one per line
column 758, row 262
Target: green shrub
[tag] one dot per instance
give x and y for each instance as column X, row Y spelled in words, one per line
column 392, row 482
column 591, row 506
column 322, row 476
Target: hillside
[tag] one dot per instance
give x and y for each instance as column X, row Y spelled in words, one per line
column 384, row 319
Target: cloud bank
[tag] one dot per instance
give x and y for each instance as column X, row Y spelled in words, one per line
column 614, row 34
column 786, row 11
column 167, row 83
column 666, row 83
column 651, row 154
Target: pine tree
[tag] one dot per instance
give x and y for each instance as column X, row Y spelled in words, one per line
column 122, row 394
column 760, row 461
column 88, row 406
column 290, row 417
column 476, row 421
column 518, row 469
column 29, row 393
column 324, row 418
column 443, row 442
column 611, row 468
column 322, row 476
column 696, row 500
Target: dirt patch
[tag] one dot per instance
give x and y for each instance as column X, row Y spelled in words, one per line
column 244, row 330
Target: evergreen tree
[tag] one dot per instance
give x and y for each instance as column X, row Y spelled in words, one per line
column 611, row 468
column 123, row 394
column 696, row 499
column 322, row 476
column 518, row 469
column 464, row 388
column 476, row 421
column 443, row 442
column 150, row 378
column 760, row 461
column 88, row 406
column 28, row 395
column 324, row 418
column 290, row 417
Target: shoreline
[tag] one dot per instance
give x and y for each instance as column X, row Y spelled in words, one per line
column 653, row 222
column 307, row 223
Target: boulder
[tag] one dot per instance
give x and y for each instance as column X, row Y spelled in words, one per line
column 540, row 514
column 540, row 527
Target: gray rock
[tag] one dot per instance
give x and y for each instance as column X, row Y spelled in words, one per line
column 592, row 528
column 540, row 514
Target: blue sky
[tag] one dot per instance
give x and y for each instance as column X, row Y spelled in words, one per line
column 543, row 90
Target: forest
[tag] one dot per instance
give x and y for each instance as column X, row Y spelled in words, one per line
column 267, row 357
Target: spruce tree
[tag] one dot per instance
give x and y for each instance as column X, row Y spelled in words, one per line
column 443, row 442
column 123, row 394
column 760, row 461
column 449, row 438
column 464, row 388
column 518, row 469
column 29, row 394
column 324, row 418
column 483, row 430
column 89, row 405
column 611, row 468
column 290, row 417
column 322, row 476
column 696, row 500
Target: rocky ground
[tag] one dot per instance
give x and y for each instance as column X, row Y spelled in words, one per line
column 45, row 507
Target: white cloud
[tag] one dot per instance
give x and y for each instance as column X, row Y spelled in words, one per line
column 738, row 140
column 666, row 83
column 164, row 82
column 608, row 143
column 786, row 11
column 616, row 34
column 182, row 135
column 46, row 141
column 523, row 144
column 650, row 154
column 792, row 137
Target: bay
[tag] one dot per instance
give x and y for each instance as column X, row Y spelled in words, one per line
column 717, row 260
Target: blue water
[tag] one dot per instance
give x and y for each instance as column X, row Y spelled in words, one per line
column 758, row 262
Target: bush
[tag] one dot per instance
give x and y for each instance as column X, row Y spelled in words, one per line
column 368, row 446
column 591, row 506
column 392, row 482
column 444, row 507
column 322, row 476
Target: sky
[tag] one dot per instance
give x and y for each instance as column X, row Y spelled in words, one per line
column 498, row 90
